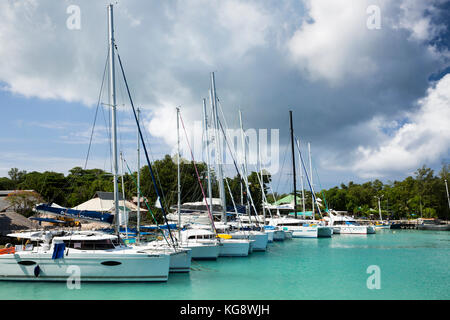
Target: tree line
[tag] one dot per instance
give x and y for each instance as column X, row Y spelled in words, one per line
column 421, row 195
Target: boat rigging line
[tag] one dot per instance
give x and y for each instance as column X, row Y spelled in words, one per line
column 145, row 149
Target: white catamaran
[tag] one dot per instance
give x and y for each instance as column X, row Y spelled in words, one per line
column 94, row 256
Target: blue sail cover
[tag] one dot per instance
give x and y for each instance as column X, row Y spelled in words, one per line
column 239, row 208
column 76, row 214
column 58, row 250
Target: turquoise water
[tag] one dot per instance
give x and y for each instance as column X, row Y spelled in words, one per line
column 413, row 265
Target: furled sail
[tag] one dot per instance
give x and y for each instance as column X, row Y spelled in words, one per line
column 76, row 214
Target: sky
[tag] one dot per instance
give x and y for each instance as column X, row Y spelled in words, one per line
column 368, row 82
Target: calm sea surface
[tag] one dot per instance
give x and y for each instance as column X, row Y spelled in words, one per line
column 413, row 265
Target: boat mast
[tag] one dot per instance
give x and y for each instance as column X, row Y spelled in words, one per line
column 301, row 176
column 244, row 166
column 125, row 217
column 178, row 174
column 446, row 188
column 218, row 151
column 293, row 163
column 112, row 103
column 138, row 214
column 205, row 119
column 262, row 183
column 311, row 175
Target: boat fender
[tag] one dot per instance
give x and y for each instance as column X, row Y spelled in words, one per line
column 37, row 270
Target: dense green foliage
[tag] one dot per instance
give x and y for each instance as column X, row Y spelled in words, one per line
column 422, row 195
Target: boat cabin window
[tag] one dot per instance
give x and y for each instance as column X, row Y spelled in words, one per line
column 290, row 224
column 202, row 236
column 90, row 244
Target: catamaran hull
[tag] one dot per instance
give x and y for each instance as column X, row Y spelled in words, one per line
column 270, row 234
column 180, row 261
column 353, row 230
column 234, row 248
column 324, row 232
column 201, row 251
column 287, row 234
column 35, row 266
column 278, row 235
column 260, row 239
column 302, row 232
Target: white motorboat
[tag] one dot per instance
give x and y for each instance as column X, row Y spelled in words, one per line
column 301, row 228
column 91, row 256
column 343, row 224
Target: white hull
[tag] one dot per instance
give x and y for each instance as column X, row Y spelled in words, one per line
column 270, row 234
column 102, row 266
column 279, row 235
column 202, row 251
column 287, row 234
column 353, row 229
column 234, row 248
column 382, row 227
column 302, row 232
column 260, row 239
column 180, row 259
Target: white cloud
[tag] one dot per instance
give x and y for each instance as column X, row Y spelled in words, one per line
column 169, row 48
column 423, row 139
column 416, row 17
column 335, row 43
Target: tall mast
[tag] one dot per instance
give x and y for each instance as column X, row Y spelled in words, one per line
column 293, row 163
column 124, row 210
column 178, row 175
column 205, row 116
column 262, row 183
column 112, row 103
column 311, row 175
column 218, row 150
column 379, row 208
column 301, row 176
column 446, row 188
column 138, row 214
column 244, row 165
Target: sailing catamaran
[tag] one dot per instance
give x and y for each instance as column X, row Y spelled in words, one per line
column 300, row 228
column 96, row 255
column 53, row 255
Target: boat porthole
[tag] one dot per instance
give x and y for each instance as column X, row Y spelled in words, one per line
column 111, row 263
column 26, row 263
